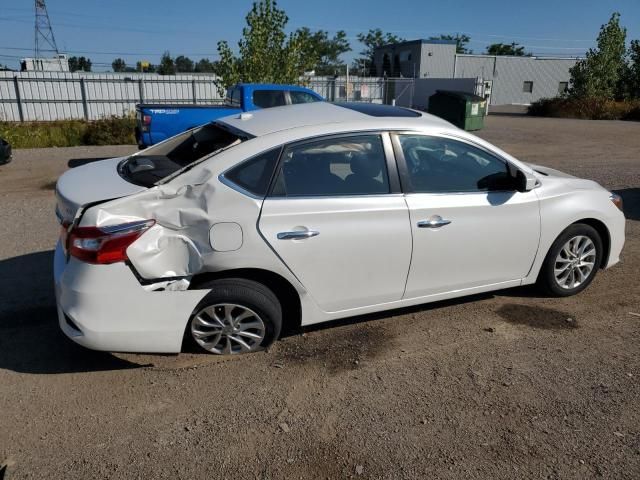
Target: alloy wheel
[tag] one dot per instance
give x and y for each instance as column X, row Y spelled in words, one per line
column 228, row 328
column 575, row 262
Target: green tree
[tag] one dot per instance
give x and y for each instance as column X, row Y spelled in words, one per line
column 512, row 49
column 184, row 64
column 79, row 64
column 119, row 65
column 205, row 65
column 462, row 40
column 371, row 40
column 167, row 65
column 324, row 50
column 632, row 77
column 266, row 53
column 601, row 72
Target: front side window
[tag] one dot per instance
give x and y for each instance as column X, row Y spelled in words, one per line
column 302, row 97
column 353, row 165
column 442, row 165
column 268, row 98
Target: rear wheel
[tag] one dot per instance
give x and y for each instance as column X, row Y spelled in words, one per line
column 237, row 316
column 572, row 262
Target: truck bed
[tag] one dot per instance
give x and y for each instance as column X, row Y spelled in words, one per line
column 168, row 120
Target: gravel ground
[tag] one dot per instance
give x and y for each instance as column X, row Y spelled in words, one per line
column 504, row 385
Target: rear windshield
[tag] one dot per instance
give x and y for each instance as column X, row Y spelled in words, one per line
column 178, row 154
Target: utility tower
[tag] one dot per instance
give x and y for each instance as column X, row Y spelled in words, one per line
column 45, row 41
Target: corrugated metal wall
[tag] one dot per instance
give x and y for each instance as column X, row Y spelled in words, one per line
column 437, row 60
column 510, row 73
column 46, row 96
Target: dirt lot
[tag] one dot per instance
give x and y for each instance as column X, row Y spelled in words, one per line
column 506, row 385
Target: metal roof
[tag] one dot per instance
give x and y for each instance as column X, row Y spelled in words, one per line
column 423, row 41
column 271, row 120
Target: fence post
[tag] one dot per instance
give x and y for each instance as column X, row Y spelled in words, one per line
column 83, row 93
column 193, row 90
column 141, row 89
column 18, row 98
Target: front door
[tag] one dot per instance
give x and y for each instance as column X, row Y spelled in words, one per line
column 335, row 220
column 471, row 228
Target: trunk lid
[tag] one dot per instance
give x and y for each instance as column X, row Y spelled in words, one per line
column 90, row 184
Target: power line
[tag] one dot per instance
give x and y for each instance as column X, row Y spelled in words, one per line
column 93, row 52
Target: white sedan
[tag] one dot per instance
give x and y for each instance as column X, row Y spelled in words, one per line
column 225, row 234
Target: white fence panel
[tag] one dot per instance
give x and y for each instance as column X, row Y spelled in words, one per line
column 46, row 96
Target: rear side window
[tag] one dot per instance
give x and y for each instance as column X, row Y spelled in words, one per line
column 353, row 165
column 268, row 98
column 236, row 99
column 302, row 97
column 255, row 174
column 233, row 97
column 184, row 150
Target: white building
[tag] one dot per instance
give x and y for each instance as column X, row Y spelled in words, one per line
column 515, row 80
column 59, row 63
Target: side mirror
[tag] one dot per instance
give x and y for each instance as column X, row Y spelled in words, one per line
column 525, row 182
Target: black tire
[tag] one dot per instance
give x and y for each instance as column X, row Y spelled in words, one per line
column 546, row 279
column 246, row 293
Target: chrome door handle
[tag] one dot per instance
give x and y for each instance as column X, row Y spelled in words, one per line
column 298, row 235
column 435, row 223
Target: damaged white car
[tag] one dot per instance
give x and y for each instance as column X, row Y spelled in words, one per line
column 228, row 233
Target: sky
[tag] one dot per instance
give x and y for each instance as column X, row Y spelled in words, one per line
column 143, row 29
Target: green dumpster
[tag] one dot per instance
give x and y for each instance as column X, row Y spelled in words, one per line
column 464, row 110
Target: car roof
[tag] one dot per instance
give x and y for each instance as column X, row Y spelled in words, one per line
column 346, row 117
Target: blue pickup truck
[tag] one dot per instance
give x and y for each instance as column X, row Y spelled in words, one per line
column 157, row 122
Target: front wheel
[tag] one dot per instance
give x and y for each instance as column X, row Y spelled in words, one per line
column 237, row 316
column 572, row 262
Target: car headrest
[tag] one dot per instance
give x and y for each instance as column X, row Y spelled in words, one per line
column 364, row 166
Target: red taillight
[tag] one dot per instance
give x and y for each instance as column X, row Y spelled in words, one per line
column 105, row 245
column 146, row 122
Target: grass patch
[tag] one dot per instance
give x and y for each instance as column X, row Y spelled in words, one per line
column 586, row 108
column 69, row 133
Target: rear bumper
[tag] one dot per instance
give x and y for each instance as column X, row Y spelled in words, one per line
column 140, row 138
column 104, row 307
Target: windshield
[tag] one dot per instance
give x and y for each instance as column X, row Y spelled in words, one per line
column 177, row 154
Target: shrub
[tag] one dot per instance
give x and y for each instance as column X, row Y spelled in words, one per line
column 69, row 133
column 591, row 108
column 634, row 114
column 39, row 134
column 110, row 131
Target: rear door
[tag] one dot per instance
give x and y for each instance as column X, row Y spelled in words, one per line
column 337, row 219
column 470, row 227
